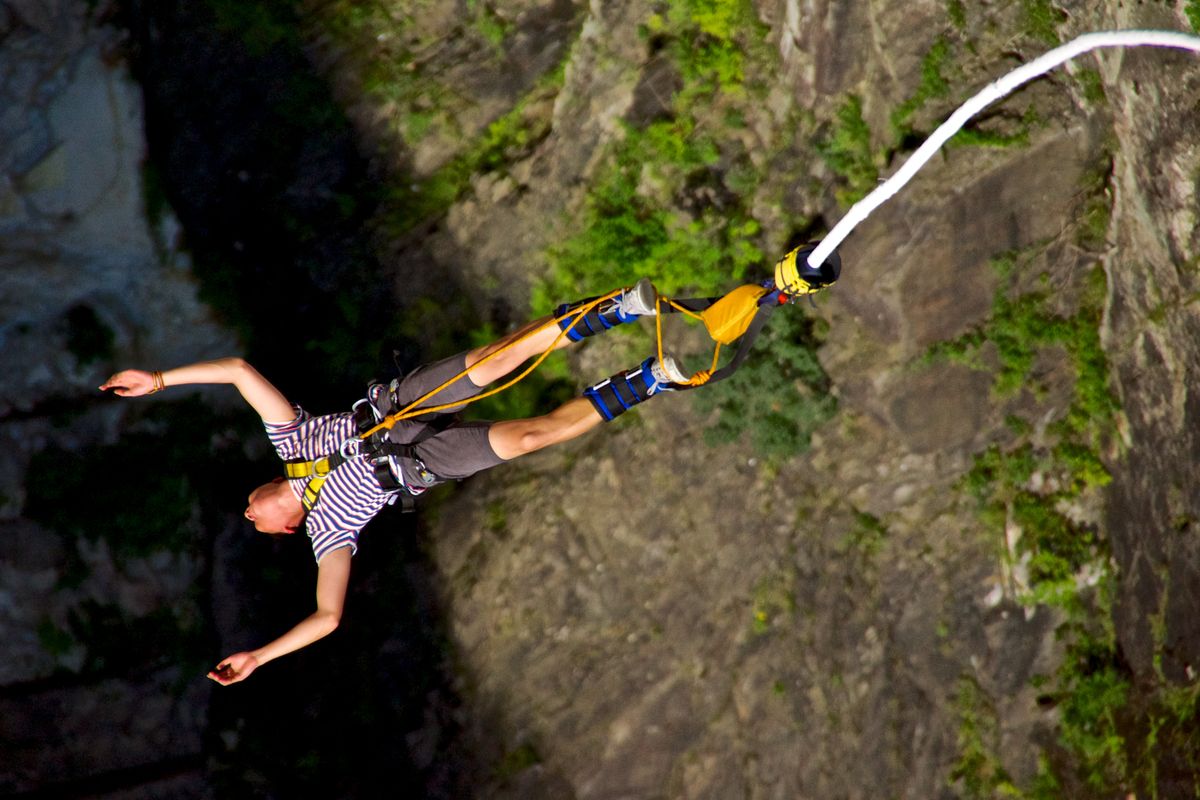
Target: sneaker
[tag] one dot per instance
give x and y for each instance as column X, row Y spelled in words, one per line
column 667, row 371
column 638, row 300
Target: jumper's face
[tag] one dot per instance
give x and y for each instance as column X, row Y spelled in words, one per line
column 273, row 508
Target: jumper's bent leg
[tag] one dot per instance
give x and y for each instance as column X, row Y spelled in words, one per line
column 539, row 335
column 601, row 402
column 536, row 337
column 516, row 437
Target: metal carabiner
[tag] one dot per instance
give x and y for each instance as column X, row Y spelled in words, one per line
column 351, row 448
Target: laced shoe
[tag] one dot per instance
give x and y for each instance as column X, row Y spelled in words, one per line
column 665, row 372
column 637, row 301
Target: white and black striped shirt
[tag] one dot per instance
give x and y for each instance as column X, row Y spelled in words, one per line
column 350, row 496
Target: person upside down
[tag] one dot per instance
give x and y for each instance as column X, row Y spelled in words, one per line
column 417, row 454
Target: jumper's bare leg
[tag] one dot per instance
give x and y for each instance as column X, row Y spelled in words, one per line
column 516, row 437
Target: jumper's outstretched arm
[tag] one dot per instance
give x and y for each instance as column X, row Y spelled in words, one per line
column 333, row 576
column 260, row 393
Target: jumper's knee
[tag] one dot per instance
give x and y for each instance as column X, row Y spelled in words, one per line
column 530, row 440
column 515, row 438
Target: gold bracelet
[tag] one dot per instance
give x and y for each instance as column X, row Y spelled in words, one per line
column 159, row 383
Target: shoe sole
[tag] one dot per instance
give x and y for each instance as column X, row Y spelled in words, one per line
column 671, row 369
column 640, row 299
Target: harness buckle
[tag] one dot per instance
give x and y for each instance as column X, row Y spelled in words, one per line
column 351, row 448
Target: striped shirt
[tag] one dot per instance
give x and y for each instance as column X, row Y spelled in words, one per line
column 350, row 496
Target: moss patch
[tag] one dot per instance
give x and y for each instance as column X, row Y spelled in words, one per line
column 846, row 148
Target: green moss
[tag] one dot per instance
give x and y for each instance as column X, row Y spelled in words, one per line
column 1094, row 223
column 1092, row 686
column 1170, row 734
column 496, row 516
column 1082, row 466
column 956, row 10
column 1000, row 479
column 1095, row 216
column 1021, row 327
column 710, row 42
column 971, row 137
column 1059, row 547
column 847, row 151
column 997, row 474
column 1191, row 10
column 963, row 350
column 773, row 596
column 1040, row 19
column 779, row 397
column 978, row 770
column 867, row 537
column 934, row 84
column 390, row 70
column 1093, row 690
column 487, row 23
column 507, row 139
column 626, row 232
column 1092, row 85
column 1017, row 425
column 941, row 72
column 672, row 201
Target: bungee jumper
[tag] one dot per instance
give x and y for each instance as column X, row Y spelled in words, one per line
column 404, row 437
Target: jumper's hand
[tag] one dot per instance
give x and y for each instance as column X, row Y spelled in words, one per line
column 130, row 383
column 235, row 668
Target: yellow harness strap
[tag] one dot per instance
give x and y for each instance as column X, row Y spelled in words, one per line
column 311, row 492
column 318, row 469
column 303, row 469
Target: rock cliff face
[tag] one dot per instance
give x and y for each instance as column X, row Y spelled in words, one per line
column 88, row 275
column 637, row 614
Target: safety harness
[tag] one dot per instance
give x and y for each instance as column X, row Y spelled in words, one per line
column 373, row 445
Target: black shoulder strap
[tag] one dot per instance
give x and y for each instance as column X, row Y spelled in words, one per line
column 689, row 303
column 745, row 342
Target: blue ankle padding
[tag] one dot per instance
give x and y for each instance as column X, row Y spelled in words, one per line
column 595, row 321
column 623, row 391
column 573, row 334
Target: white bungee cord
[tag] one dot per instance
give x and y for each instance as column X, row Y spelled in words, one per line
column 989, row 94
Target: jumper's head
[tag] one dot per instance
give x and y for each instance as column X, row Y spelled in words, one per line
column 794, row 276
column 274, row 508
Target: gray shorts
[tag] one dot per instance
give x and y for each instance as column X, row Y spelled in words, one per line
column 459, row 450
